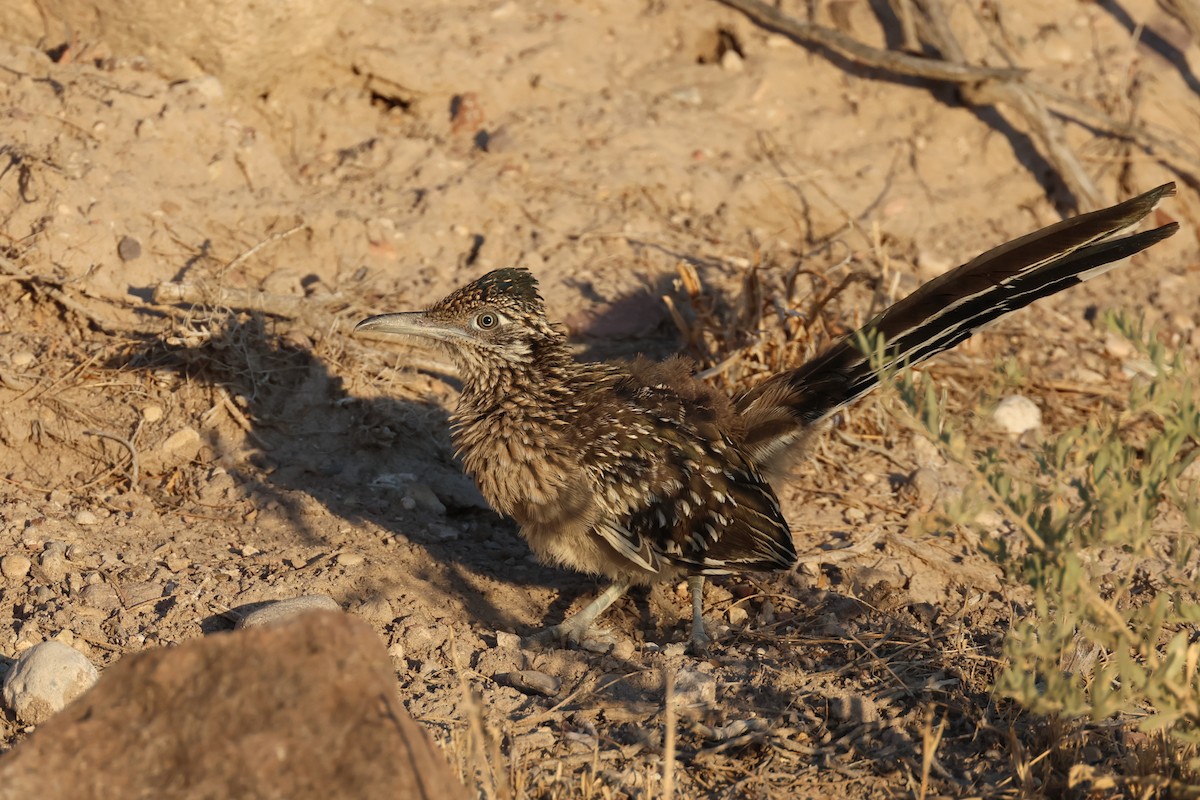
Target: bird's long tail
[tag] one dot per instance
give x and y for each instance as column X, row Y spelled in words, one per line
column 784, row 410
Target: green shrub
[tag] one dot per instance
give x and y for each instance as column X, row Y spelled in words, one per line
column 1103, row 531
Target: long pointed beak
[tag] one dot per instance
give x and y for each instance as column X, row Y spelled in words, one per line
column 410, row 323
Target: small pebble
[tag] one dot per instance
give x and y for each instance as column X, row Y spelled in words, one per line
column 530, row 681
column 350, row 559
column 443, row 533
column 1016, row 415
column 177, row 563
column 21, row 359
column 100, row 596
column 695, row 689
column 181, row 446
column 623, row 650
column 425, row 499
column 1119, row 347
column 508, row 641
column 15, row 566
column 1139, row 368
column 926, row 484
column 129, row 248
column 737, row 615
column 284, row 610
column 44, row 679
column 53, row 565
column 152, row 413
column 86, row 517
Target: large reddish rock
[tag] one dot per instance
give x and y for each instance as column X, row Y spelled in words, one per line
column 304, row 709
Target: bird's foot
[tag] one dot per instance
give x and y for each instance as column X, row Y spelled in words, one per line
column 699, row 643
column 585, row 637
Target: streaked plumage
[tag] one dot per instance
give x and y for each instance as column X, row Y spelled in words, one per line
column 641, row 472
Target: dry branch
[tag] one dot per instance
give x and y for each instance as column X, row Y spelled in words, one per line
column 1002, row 87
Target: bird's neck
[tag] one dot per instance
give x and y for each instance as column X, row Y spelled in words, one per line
column 541, row 371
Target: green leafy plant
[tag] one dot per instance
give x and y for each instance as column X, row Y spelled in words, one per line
column 1103, row 528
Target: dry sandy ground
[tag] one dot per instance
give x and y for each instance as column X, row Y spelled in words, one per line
column 396, row 150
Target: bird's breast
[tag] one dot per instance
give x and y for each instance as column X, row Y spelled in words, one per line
column 518, row 461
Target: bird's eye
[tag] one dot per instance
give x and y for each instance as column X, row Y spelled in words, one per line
column 487, row 320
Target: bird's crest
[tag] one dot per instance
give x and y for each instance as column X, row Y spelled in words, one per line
column 511, row 287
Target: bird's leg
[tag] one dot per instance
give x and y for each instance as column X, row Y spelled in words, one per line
column 575, row 627
column 700, row 639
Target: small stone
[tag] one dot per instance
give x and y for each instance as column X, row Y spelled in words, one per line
column 21, row 359
column 1016, row 415
column 530, row 681
column 86, row 517
column 350, row 559
column 377, row 610
column 508, row 641
column 152, row 412
column 1142, row 368
column 926, row 453
column 926, row 484
column 129, row 248
column 1119, row 347
column 183, row 445
column 731, row 61
column 694, row 689
column 623, row 650
column 282, row 610
column 44, row 679
column 15, row 566
column 142, row 593
column 53, row 565
column 737, row 615
column 443, row 533
column 100, row 596
column 854, row 516
column 177, row 563
column 855, row 709
column 425, row 498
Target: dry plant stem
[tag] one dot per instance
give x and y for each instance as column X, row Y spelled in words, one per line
column 228, row 297
column 276, row 237
column 981, row 86
column 668, row 778
column 842, row 553
column 128, row 445
column 840, row 43
column 1017, row 97
column 930, row 739
column 1048, row 130
column 1188, row 12
column 55, row 291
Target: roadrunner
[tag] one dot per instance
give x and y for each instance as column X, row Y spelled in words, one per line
column 642, row 472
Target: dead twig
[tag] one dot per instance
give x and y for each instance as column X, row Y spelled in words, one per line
column 272, row 239
column 54, row 290
column 277, row 305
column 856, row 51
column 128, row 445
column 1003, row 87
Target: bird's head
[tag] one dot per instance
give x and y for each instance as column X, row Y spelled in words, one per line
column 496, row 320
